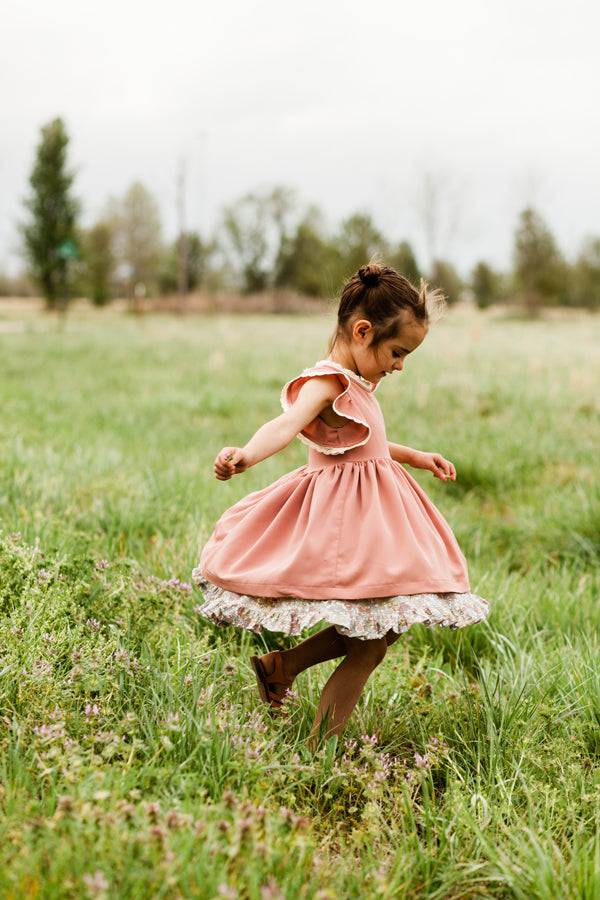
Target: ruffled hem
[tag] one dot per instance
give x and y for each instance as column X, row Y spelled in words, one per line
column 364, row 619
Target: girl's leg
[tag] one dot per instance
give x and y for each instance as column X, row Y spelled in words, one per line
column 391, row 637
column 324, row 645
column 344, row 687
column 320, row 647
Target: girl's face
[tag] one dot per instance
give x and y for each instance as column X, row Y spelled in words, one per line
column 374, row 363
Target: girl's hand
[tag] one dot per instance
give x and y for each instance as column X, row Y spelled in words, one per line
column 435, row 462
column 229, row 462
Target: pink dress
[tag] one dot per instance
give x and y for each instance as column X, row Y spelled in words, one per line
column 349, row 539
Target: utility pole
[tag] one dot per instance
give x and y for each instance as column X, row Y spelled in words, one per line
column 182, row 243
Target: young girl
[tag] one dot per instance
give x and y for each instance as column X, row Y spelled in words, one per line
column 350, row 538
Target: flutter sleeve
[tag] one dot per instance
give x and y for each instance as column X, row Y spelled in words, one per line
column 318, row 434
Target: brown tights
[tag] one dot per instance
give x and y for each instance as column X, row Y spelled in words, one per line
column 345, row 685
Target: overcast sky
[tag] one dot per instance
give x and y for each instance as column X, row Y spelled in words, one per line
column 355, row 105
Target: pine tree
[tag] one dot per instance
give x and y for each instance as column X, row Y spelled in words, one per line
column 359, row 241
column 487, row 285
column 404, row 261
column 539, row 273
column 100, row 262
column 307, row 262
column 50, row 234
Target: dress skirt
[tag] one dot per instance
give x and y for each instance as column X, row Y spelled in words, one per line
column 349, row 539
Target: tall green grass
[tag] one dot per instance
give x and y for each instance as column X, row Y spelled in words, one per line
column 135, row 760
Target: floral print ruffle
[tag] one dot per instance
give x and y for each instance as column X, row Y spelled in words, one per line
column 365, row 619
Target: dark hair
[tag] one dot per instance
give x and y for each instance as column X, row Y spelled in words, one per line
column 381, row 295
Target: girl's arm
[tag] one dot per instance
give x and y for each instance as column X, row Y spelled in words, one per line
column 418, row 459
column 314, row 397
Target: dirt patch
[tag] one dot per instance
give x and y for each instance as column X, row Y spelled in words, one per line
column 286, row 302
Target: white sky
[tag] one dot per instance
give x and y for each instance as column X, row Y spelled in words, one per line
column 352, row 104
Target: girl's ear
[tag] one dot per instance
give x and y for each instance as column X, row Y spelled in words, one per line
column 362, row 330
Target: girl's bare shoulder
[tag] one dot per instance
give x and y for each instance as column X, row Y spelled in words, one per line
column 325, row 386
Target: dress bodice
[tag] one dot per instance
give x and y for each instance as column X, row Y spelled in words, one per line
column 362, row 437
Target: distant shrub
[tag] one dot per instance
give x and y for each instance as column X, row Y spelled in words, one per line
column 18, row 286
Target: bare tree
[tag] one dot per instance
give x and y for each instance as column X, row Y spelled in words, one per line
column 136, row 226
column 437, row 201
column 255, row 229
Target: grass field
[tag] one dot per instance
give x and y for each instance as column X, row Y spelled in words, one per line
column 135, row 760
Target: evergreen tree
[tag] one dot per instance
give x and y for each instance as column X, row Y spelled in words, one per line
column 445, row 276
column 307, row 263
column 198, row 255
column 50, row 234
column 359, row 241
column 584, row 287
column 540, row 271
column 404, row 261
column 487, row 285
column 100, row 262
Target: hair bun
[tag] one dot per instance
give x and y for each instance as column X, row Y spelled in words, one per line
column 369, row 275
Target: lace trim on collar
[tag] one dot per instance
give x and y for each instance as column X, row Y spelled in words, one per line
column 364, row 382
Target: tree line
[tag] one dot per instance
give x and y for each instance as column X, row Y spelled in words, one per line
column 265, row 241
